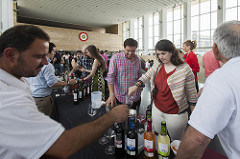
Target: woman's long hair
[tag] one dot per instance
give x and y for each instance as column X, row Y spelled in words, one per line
column 166, row 45
column 96, row 55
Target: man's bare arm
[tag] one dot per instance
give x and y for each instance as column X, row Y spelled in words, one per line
column 79, row 137
column 193, row 144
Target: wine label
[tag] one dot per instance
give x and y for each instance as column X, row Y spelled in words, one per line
column 163, row 149
column 148, row 145
column 162, row 157
column 80, row 94
column 88, row 90
column 131, row 144
column 75, row 97
column 132, row 153
column 149, row 154
column 118, row 141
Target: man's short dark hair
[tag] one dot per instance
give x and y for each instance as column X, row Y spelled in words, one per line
column 130, row 42
column 51, row 46
column 21, row 37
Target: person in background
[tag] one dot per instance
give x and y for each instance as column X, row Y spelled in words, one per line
column 75, row 60
column 124, row 71
column 151, row 63
column 172, row 89
column 85, row 62
column 191, row 58
column 218, row 108
column 66, row 66
column 43, row 84
column 96, row 72
column 147, row 64
column 181, row 53
column 210, row 64
column 107, row 54
column 106, row 63
column 57, row 63
column 25, row 132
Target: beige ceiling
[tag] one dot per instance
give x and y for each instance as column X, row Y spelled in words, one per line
column 89, row 13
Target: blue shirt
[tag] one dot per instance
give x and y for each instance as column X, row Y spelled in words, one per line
column 42, row 83
column 86, row 62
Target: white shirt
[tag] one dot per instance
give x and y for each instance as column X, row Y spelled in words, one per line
column 218, row 109
column 25, row 133
column 41, row 85
column 147, row 64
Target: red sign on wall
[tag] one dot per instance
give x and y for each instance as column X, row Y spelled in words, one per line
column 83, row 36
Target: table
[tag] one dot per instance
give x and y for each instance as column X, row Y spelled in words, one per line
column 70, row 115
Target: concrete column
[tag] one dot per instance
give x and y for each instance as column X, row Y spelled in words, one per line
column 163, row 23
column 6, row 14
column 187, row 20
column 221, row 12
column 145, row 34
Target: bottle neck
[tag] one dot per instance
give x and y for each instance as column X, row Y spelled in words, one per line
column 149, row 127
column 131, row 125
column 163, row 130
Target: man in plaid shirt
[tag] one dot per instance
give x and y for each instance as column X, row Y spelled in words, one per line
column 124, row 71
column 85, row 62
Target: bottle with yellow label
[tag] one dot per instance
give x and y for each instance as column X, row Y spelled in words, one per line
column 163, row 143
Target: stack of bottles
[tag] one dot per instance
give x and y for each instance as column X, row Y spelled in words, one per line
column 126, row 141
column 80, row 90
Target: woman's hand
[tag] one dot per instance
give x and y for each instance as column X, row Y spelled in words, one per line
column 132, row 90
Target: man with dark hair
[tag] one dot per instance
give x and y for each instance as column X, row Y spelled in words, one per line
column 44, row 82
column 124, row 71
column 25, row 132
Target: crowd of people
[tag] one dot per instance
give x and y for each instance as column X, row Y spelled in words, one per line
column 26, row 51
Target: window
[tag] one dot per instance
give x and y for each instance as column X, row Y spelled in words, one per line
column 175, row 25
column 153, row 30
column 138, row 33
column 126, row 28
column 232, row 10
column 203, row 22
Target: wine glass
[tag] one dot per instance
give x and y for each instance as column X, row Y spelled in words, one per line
column 110, row 149
column 91, row 111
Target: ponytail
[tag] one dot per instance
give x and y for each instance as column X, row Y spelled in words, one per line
column 192, row 44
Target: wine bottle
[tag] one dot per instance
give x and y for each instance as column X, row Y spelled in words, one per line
column 80, row 91
column 88, row 88
column 75, row 94
column 119, row 141
column 132, row 140
column 70, row 87
column 149, row 141
column 163, row 142
column 149, row 112
column 85, row 89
